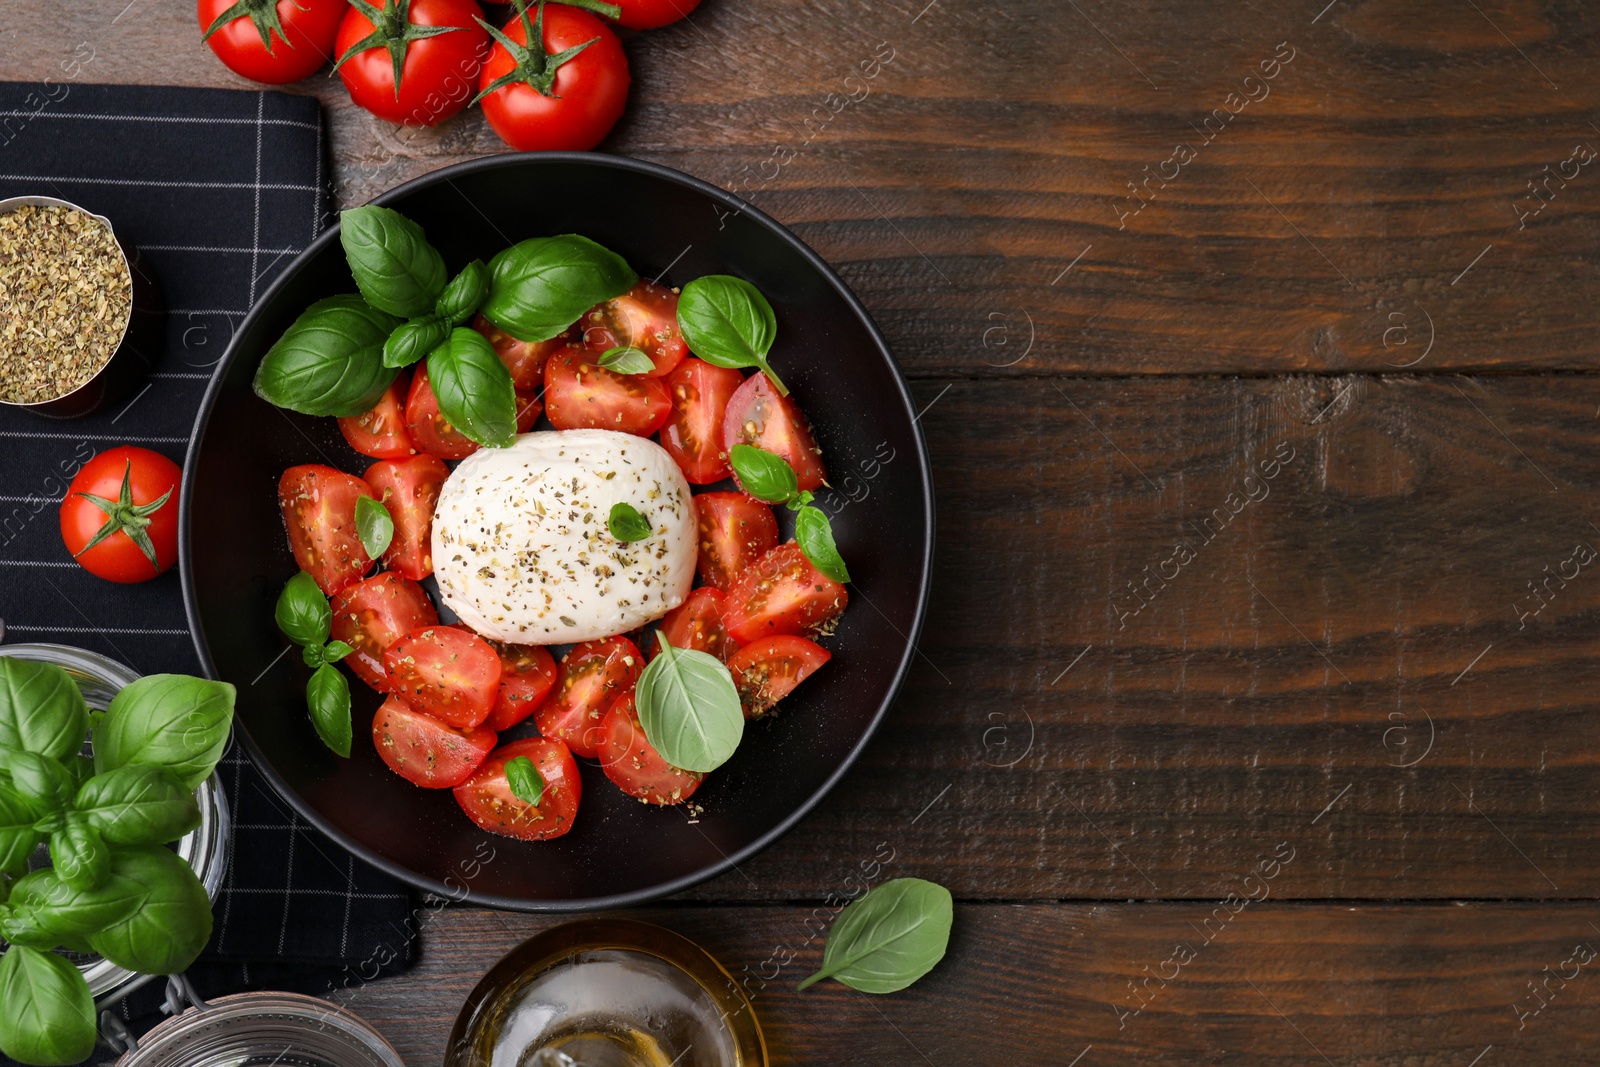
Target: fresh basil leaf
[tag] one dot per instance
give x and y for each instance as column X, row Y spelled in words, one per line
column 374, row 526
column 394, row 266
column 18, row 838
column 61, row 913
column 79, row 854
column 627, row 524
column 764, row 475
column 539, row 287
column 336, row 651
column 889, row 938
column 173, row 923
column 727, row 322
column 328, row 697
column 624, row 360
column 22, row 927
column 80, row 769
column 464, row 295
column 167, row 720
column 41, row 709
column 689, row 708
column 330, row 360
column 49, row 1017
column 138, row 805
column 526, row 783
column 814, row 533
column 41, row 781
column 302, row 612
column 474, row 388
column 413, row 340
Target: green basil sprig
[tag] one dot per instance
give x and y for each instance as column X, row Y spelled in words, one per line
column 526, row 783
column 49, row 1015
column 689, row 708
column 627, row 524
column 769, row 478
column 539, row 287
column 374, row 525
column 889, row 938
column 474, row 388
column 413, row 340
column 625, row 360
column 726, row 321
column 394, row 266
column 330, row 360
column 306, row 619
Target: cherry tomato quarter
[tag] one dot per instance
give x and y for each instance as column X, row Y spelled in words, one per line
column 381, row 432
column 579, row 395
column 767, row 670
column 633, row 764
column 272, row 41
column 446, row 672
column 423, row 750
column 782, row 593
column 527, row 674
column 563, row 95
column 487, row 798
column 697, row 624
column 409, row 488
column 430, row 431
column 319, row 508
column 524, row 359
column 592, row 677
column 758, row 415
column 119, row 518
column 372, row 614
column 732, row 531
column 438, row 73
column 646, row 318
column 693, row 433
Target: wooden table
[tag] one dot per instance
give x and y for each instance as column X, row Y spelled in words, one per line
column 1256, row 343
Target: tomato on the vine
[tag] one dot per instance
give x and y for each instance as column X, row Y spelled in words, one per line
column 563, row 93
column 119, row 518
column 272, row 41
column 412, row 61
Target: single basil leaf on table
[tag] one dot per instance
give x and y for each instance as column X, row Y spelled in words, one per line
column 764, row 475
column 79, row 855
column 171, row 926
column 474, row 388
column 330, row 360
column 814, row 533
column 727, row 322
column 689, row 708
column 18, row 838
column 43, row 782
column 626, row 523
column 328, row 698
column 624, row 360
column 138, row 805
column 62, row 913
column 302, row 612
column 526, row 783
column 394, row 266
column 889, row 938
column 41, row 709
column 374, row 526
column 168, row 720
column 413, row 340
column 539, row 287
column 464, row 295
column 49, row 1017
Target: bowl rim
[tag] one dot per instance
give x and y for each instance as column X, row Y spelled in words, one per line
column 728, row 861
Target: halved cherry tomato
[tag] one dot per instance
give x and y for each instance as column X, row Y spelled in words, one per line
column 527, row 674
column 319, row 508
column 446, row 672
column 487, row 798
column 592, row 677
column 578, row 395
column 409, row 489
column 371, row 615
column 697, row 624
column 524, row 359
column 693, row 433
column 430, row 431
column 381, row 432
column 646, row 318
column 768, row 670
column 529, row 408
column 782, row 594
column 758, row 416
column 423, row 750
column 631, row 761
column 733, row 531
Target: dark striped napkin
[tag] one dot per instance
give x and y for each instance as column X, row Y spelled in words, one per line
column 218, row 189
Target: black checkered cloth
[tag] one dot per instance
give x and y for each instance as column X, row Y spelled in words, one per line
column 218, row 189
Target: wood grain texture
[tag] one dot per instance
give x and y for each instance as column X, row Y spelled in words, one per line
column 1326, row 225
column 1036, row 986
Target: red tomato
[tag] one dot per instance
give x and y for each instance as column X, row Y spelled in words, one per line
column 569, row 107
column 446, row 672
column 782, row 594
column 487, row 798
column 630, row 761
column 693, row 433
column 371, row 615
column 733, row 531
column 381, row 432
column 529, row 408
column 524, row 359
column 592, row 677
column 646, row 318
column 527, row 674
column 319, row 508
column 130, row 533
column 264, row 54
column 697, row 624
column 648, row 14
column 440, row 74
column 423, row 750
column 430, row 431
column 768, row 670
column 409, row 488
column 758, row 416
column 581, row 396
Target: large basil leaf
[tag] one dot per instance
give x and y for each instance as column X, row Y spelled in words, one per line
column 689, row 708
column 138, row 805
column 330, row 361
column 328, row 698
column 41, row 709
column 172, row 925
column 69, row 914
column 302, row 612
column 394, row 266
column 167, row 720
column 43, row 782
column 889, row 938
column 474, row 388
column 726, row 321
column 49, row 1016
column 18, row 838
column 79, row 855
column 22, row 927
column 540, row 286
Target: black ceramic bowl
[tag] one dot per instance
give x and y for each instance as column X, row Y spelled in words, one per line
column 235, row 557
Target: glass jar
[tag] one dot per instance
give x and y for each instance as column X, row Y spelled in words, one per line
column 100, row 678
